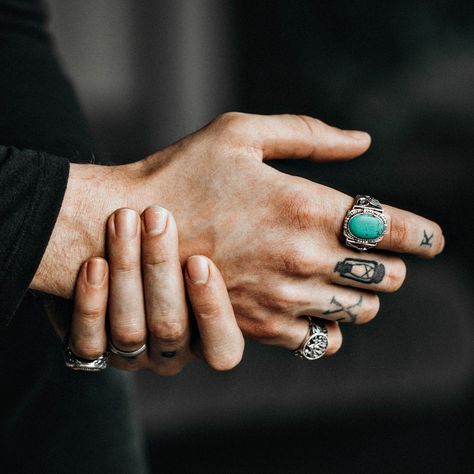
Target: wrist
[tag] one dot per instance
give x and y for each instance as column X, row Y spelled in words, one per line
column 93, row 192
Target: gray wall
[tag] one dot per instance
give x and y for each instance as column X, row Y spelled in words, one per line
column 147, row 72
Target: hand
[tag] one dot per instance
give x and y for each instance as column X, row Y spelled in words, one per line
column 276, row 238
column 142, row 286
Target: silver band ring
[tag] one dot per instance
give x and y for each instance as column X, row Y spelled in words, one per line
column 365, row 223
column 77, row 363
column 127, row 354
column 316, row 342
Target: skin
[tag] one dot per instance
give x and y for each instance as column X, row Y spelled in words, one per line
column 275, row 238
column 142, row 286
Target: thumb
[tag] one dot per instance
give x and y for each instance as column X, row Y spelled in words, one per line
column 298, row 136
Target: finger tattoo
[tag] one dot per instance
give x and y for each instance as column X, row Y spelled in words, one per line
column 168, row 354
column 427, row 239
column 363, row 271
column 350, row 316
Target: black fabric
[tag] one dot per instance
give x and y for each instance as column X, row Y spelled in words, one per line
column 38, row 107
column 32, row 187
column 38, row 111
column 54, row 420
column 51, row 419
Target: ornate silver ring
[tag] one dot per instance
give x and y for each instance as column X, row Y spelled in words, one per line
column 315, row 344
column 126, row 354
column 77, row 363
column 365, row 224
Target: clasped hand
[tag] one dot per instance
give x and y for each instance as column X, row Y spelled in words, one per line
column 275, row 238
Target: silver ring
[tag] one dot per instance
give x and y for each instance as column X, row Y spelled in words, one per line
column 365, row 223
column 127, row 354
column 76, row 363
column 315, row 344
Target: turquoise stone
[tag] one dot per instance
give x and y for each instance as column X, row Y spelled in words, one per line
column 366, row 226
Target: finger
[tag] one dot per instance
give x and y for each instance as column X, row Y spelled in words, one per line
column 334, row 336
column 406, row 232
column 165, row 300
column 335, row 303
column 126, row 305
column 88, row 338
column 370, row 271
column 410, row 233
column 295, row 136
column 222, row 343
column 293, row 335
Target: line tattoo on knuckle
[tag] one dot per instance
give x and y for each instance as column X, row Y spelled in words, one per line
column 348, row 315
column 363, row 271
column 427, row 239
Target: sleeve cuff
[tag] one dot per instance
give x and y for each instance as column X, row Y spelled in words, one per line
column 34, row 232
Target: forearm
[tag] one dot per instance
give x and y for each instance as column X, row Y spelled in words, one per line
column 93, row 193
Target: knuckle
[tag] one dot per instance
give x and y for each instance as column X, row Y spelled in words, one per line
column 167, row 332
column 209, row 309
column 285, row 298
column 88, row 314
column 159, row 267
column 372, row 306
column 87, row 350
column 310, row 123
column 229, row 128
column 225, row 362
column 168, row 370
column 123, row 264
column 229, row 120
column 295, row 259
column 398, row 234
column 125, row 339
column 132, row 365
column 335, row 342
column 396, row 275
column 269, row 329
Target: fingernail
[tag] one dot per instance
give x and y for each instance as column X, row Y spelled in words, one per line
column 155, row 219
column 198, row 269
column 95, row 272
column 126, row 222
column 358, row 135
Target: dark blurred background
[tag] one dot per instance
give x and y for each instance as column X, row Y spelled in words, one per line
column 399, row 397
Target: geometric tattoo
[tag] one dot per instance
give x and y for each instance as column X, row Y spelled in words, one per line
column 427, row 239
column 363, row 271
column 352, row 317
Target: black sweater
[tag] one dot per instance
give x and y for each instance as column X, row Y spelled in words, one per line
column 52, row 419
column 38, row 111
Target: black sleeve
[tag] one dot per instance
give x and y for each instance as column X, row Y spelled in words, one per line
column 38, row 111
column 32, row 187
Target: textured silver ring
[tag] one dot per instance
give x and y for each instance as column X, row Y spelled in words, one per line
column 127, row 354
column 316, row 342
column 365, row 223
column 77, row 363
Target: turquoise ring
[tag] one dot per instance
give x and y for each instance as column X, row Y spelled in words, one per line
column 365, row 224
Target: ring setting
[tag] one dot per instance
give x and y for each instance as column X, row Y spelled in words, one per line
column 365, row 224
column 316, row 343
